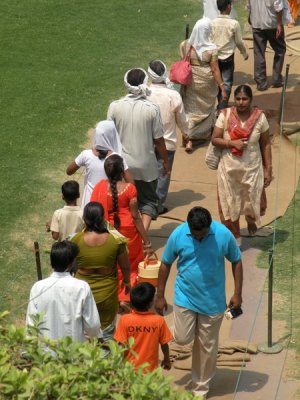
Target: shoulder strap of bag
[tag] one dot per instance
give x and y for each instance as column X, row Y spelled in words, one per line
column 187, row 57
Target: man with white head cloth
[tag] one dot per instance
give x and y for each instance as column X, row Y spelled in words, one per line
column 172, row 114
column 140, row 128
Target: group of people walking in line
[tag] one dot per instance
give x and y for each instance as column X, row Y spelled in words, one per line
column 127, row 177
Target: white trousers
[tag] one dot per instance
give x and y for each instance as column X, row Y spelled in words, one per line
column 204, row 331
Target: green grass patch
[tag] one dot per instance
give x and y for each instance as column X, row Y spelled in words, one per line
column 286, row 270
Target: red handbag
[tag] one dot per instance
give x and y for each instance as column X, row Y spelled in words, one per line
column 181, row 71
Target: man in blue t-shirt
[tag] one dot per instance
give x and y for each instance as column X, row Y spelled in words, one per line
column 201, row 246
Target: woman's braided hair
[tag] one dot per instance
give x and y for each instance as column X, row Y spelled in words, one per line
column 114, row 169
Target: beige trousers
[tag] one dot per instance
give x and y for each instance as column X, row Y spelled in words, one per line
column 204, row 331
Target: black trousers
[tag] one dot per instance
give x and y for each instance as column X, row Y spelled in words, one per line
column 260, row 39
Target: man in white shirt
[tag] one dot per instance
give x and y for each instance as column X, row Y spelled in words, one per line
column 266, row 20
column 226, row 34
column 172, row 113
column 138, row 122
column 66, row 304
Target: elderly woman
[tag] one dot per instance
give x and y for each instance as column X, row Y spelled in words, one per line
column 106, row 142
column 100, row 251
column 245, row 167
column 200, row 96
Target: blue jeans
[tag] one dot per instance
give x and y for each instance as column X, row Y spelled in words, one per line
column 227, row 69
column 163, row 181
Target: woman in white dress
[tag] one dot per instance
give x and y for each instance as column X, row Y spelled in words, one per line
column 245, row 167
column 106, row 142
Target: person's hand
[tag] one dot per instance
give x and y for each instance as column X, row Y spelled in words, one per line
column 166, row 364
column 48, row 223
column 239, row 144
column 161, row 305
column 267, row 177
column 148, row 251
column 235, row 301
column 246, row 57
column 279, row 30
column 126, row 285
column 166, row 168
column 224, row 96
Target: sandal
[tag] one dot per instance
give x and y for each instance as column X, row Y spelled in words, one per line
column 189, row 147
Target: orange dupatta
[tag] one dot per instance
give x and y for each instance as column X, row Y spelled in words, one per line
column 237, row 131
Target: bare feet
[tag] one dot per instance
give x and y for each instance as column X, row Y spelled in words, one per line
column 252, row 228
column 189, row 147
column 184, row 139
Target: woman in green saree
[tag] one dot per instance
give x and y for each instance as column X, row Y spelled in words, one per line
column 100, row 251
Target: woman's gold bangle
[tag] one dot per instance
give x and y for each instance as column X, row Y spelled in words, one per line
column 147, row 245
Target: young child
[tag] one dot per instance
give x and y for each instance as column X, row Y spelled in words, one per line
column 148, row 329
column 67, row 220
column 226, row 34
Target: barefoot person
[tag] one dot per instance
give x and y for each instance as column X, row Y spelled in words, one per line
column 140, row 128
column 106, row 142
column 245, row 168
column 148, row 329
column 200, row 246
column 199, row 97
column 66, row 304
column 266, row 18
column 119, row 200
column 173, row 115
column 100, row 251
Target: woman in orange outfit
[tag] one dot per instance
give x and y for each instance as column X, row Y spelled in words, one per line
column 119, row 200
column 294, row 6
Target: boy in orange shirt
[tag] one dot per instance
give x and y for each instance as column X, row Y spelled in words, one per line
column 147, row 328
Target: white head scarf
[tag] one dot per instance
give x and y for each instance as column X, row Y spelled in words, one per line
column 137, row 91
column 106, row 137
column 160, row 78
column 199, row 38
